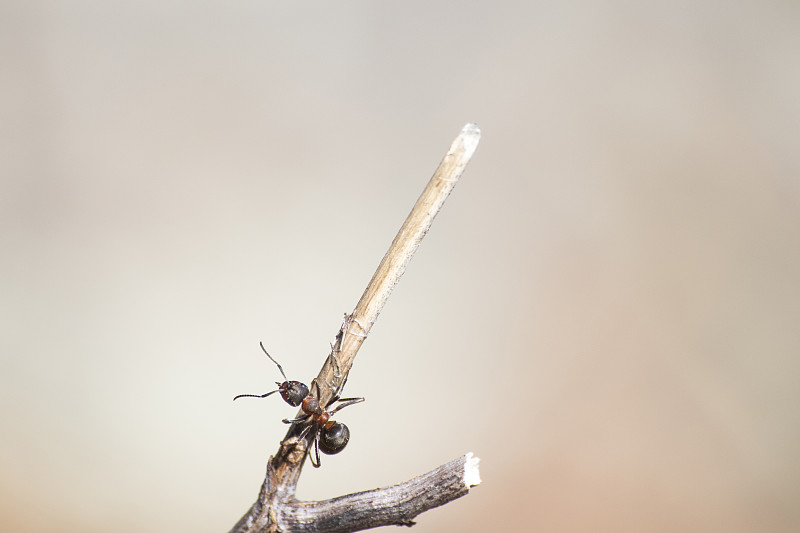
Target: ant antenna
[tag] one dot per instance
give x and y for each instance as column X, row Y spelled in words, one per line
column 256, row 395
column 276, row 383
column 292, row 392
column 273, row 360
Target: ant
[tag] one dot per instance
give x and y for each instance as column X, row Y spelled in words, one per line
column 330, row 436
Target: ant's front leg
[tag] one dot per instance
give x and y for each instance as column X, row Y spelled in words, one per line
column 295, row 420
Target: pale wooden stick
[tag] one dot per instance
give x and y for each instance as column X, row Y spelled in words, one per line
column 404, row 245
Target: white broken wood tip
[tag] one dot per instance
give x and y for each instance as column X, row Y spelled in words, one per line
column 469, row 138
column 472, row 475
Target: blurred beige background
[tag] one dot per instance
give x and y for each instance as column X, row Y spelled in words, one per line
column 607, row 311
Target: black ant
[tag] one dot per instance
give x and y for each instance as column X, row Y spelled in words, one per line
column 330, row 436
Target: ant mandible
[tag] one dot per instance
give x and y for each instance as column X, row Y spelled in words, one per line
column 330, row 436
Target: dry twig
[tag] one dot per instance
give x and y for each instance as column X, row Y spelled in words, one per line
column 276, row 508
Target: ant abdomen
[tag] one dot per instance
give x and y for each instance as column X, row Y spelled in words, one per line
column 334, row 439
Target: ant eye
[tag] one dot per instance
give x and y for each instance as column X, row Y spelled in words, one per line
column 293, row 392
column 334, row 440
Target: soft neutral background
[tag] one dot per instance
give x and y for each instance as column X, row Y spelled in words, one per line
column 606, row 311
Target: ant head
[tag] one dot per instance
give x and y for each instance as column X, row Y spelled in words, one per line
column 334, row 439
column 293, row 392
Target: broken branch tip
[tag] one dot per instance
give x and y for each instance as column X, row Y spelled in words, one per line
column 472, row 475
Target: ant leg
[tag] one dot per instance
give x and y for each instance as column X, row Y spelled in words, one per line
column 316, row 448
column 319, row 391
column 337, row 394
column 345, row 403
column 334, row 399
column 357, row 399
column 299, row 438
column 303, row 433
column 295, row 420
column 316, row 452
